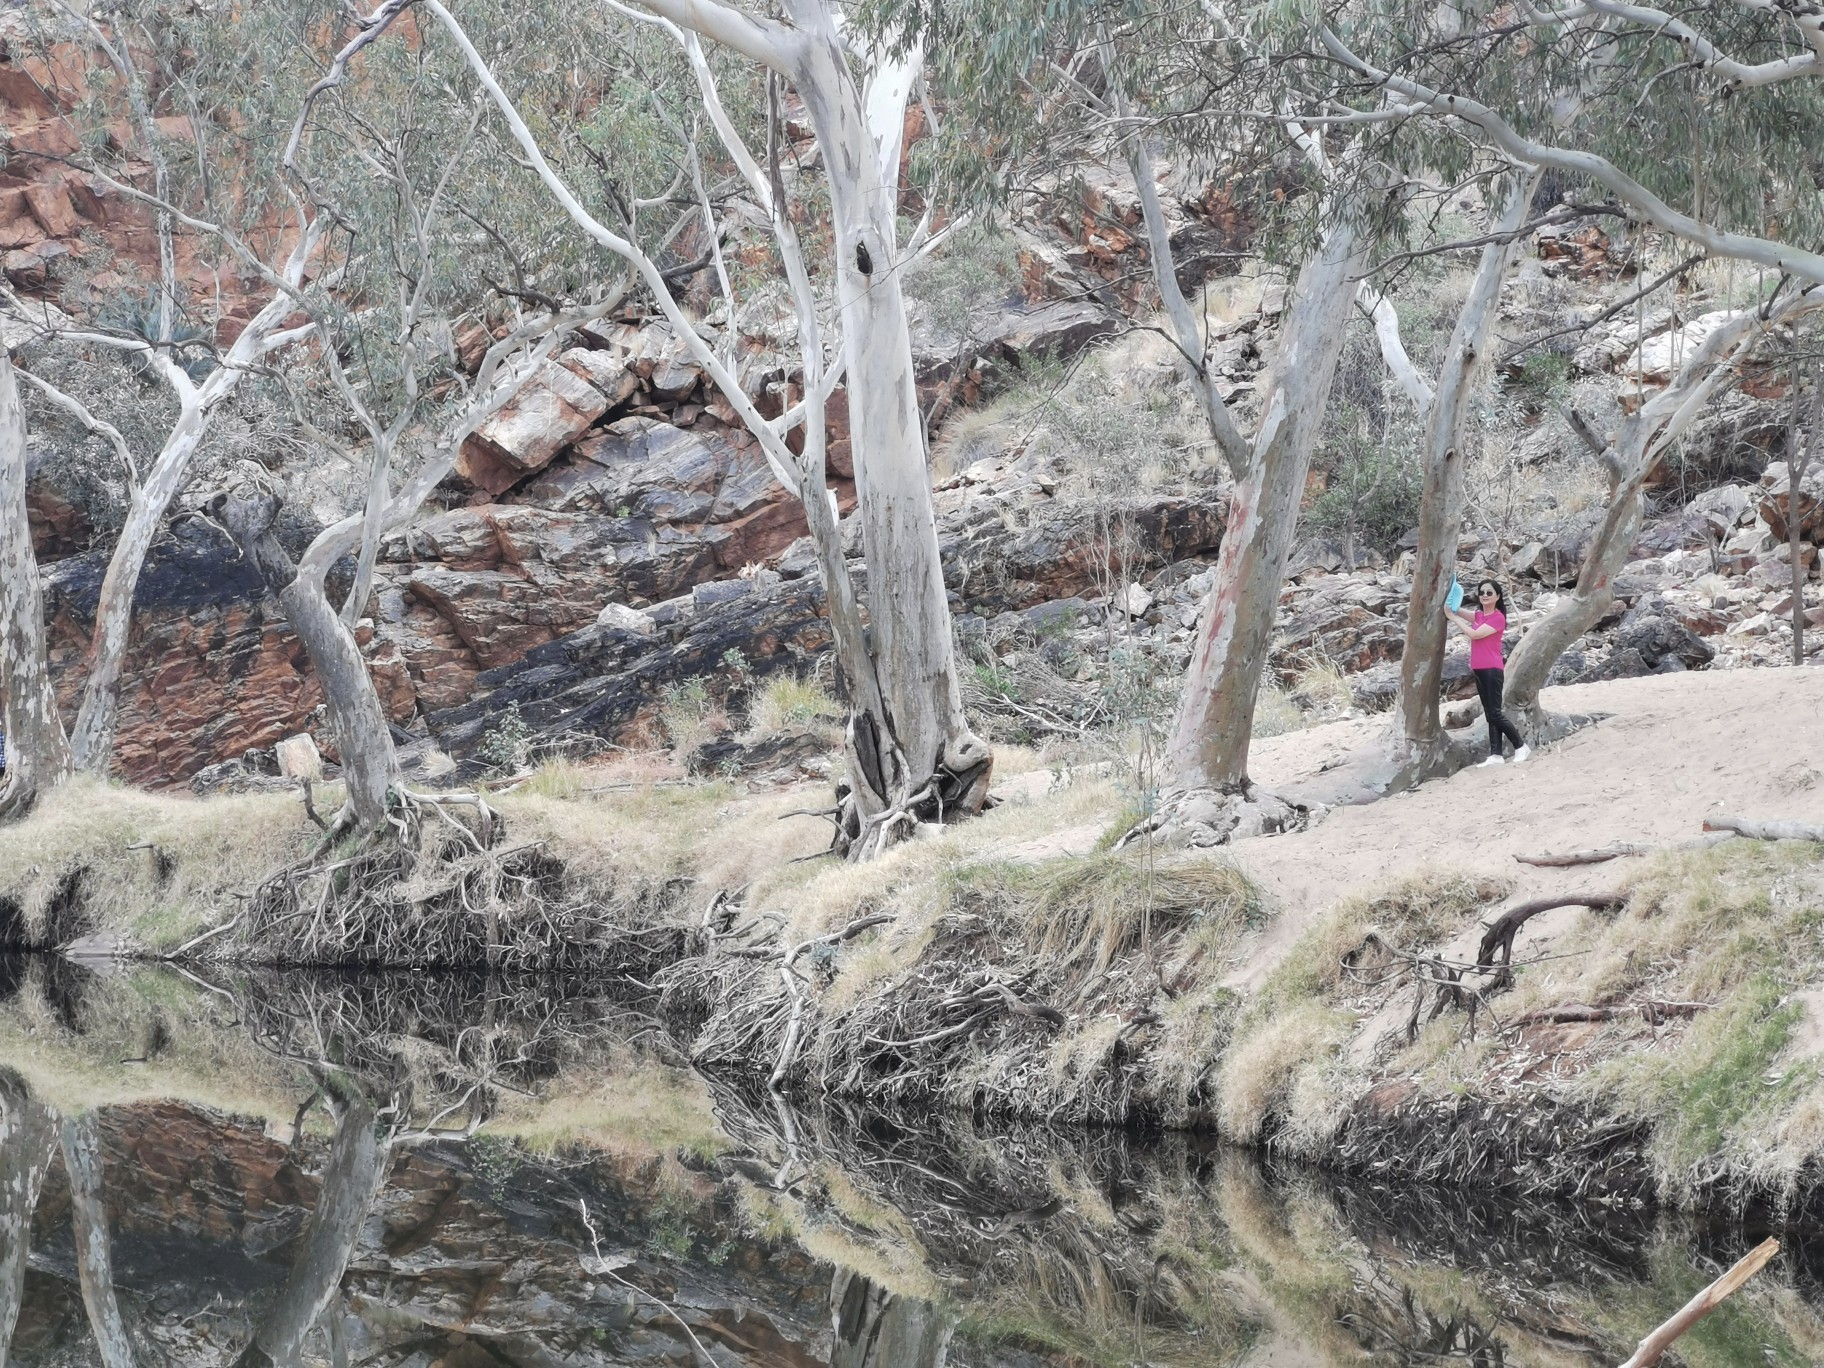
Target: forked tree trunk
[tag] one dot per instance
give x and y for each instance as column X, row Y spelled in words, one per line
column 1635, row 453
column 351, row 1181
column 37, row 753
column 1209, row 745
column 370, row 765
column 923, row 741
column 876, row 1328
column 98, row 718
column 1582, row 608
column 1419, row 746
column 28, row 1143
column 94, row 1262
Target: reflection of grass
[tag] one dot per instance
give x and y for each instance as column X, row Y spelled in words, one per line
column 146, row 1034
column 624, row 1106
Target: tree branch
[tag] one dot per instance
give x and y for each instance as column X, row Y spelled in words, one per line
column 1777, row 256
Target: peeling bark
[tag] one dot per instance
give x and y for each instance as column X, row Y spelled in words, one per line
column 28, row 1142
column 37, row 752
column 1209, row 746
column 370, row 764
column 1419, row 744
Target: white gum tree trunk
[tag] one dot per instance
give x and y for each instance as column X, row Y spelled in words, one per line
column 81, row 1140
column 912, row 754
column 370, row 763
column 28, row 1143
column 928, row 743
column 1419, row 742
column 1210, row 739
column 37, row 752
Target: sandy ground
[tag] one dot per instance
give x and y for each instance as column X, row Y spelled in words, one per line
column 1674, row 750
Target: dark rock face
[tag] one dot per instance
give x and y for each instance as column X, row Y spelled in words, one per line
column 606, row 682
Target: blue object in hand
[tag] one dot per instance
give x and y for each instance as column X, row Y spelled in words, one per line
column 1454, row 599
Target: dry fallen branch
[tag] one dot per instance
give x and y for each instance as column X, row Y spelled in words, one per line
column 1499, row 938
column 1765, row 831
column 1653, row 1013
column 1693, row 1311
column 1582, row 857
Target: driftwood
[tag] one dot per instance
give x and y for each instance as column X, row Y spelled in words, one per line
column 1765, row 831
column 1583, row 857
column 1654, row 1013
column 1499, row 938
column 1693, row 1311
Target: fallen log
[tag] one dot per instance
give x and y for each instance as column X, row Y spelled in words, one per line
column 1654, row 1013
column 1654, row 1345
column 1765, row 831
column 1583, row 857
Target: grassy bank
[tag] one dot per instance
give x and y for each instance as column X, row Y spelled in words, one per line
column 1015, row 966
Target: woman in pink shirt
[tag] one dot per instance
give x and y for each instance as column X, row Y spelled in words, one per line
column 1484, row 632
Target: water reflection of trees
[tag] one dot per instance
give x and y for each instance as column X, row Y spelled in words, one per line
column 1112, row 1248
column 389, row 1069
column 1021, row 1245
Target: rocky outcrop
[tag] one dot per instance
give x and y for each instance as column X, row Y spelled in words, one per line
column 213, row 670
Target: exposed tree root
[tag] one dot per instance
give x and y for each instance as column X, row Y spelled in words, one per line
column 1017, row 967
column 1199, row 818
column 436, row 885
column 945, row 797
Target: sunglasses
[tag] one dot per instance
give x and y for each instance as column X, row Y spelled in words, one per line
column 1489, row 593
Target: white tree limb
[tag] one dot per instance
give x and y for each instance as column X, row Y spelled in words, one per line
column 778, row 455
column 1386, row 321
column 1775, row 256
column 80, row 412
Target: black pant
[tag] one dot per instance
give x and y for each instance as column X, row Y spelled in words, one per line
column 1488, row 688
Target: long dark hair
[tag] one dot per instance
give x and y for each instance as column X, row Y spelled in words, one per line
column 1500, row 598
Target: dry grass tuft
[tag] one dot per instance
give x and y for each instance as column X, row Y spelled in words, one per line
column 790, row 704
column 159, row 867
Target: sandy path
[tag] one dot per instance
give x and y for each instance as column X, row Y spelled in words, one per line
column 1676, row 749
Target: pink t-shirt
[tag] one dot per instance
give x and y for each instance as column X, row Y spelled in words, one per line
column 1485, row 652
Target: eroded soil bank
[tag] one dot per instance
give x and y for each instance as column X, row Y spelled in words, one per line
column 1328, row 996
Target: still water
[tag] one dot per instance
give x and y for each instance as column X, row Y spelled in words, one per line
column 254, row 1168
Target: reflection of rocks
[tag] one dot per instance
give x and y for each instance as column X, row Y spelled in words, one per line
column 206, row 1212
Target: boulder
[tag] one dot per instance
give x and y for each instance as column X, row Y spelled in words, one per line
column 1656, row 634
column 298, row 757
column 554, row 407
column 1776, row 502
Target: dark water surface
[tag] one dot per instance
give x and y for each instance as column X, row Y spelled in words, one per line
column 419, row 1172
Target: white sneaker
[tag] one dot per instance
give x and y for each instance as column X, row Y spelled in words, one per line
column 1492, row 760
column 1522, row 755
